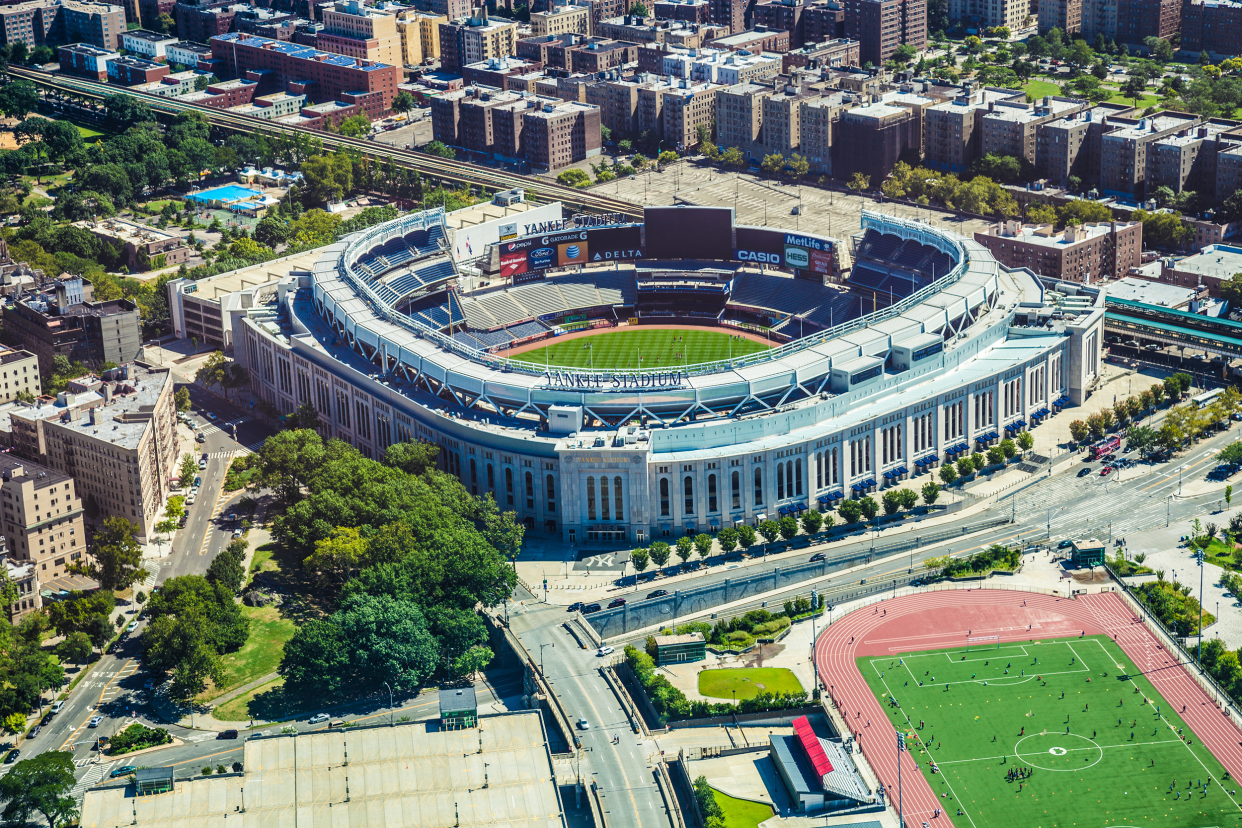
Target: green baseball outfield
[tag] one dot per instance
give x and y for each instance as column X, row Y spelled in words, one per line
column 632, row 348
column 1048, row 734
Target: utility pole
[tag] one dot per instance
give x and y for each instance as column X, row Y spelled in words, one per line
column 901, row 746
column 1199, row 655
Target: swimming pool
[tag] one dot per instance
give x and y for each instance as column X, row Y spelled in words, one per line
column 225, row 195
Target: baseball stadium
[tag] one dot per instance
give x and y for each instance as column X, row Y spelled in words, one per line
column 616, row 383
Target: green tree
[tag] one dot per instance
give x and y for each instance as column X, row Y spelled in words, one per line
column 812, row 520
column 851, row 511
column 891, row 502
column 328, row 177
column 1085, row 211
column 76, row 648
column 869, row 507
column 746, row 535
column 703, row 544
column 1008, row 448
column 1025, row 441
column 1134, row 87
column 788, row 527
column 188, row 469
column 1163, row 229
column 665, row 158
column 638, row 10
column 859, row 182
column 1079, row 431
column 337, row 557
column 1037, row 213
column 965, row 466
column 995, row 456
column 728, row 539
column 770, row 530
column 660, row 553
column 574, row 178
column 641, row 558
column 931, row 492
column 948, row 474
column 19, row 98
column 182, row 399
column 732, row 157
column 438, row 149
column 685, row 548
column 316, row 660
column 40, row 785
column 772, row 164
column 403, row 102
column 116, row 558
column 472, row 661
column 903, row 54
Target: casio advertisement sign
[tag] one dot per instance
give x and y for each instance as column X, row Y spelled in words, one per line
column 757, row 256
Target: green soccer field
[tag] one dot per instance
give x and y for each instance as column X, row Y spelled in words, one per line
column 989, row 712
column 639, row 347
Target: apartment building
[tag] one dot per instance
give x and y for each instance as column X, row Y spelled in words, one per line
column 689, row 11
column 829, row 54
column 731, row 14
column 687, row 106
column 823, row 20
column 558, row 133
column 42, row 518
column 59, row 319
column 1124, row 152
column 19, row 374
column 1070, row 146
column 649, row 30
column 352, row 29
column 870, row 140
column 1139, row 19
column 1229, row 167
column 150, row 45
column 203, row 21
column 472, row 39
column 739, row 116
column 86, row 61
column 1212, row 26
column 184, row 53
column 546, row 132
column 984, row 13
column 782, row 120
column 1010, row 127
column 1065, row 15
column 114, row 435
column 562, row 20
column 131, row 71
column 756, row 40
column 724, row 68
column 785, row 15
column 1189, row 160
column 954, row 134
column 142, row 244
column 451, row 9
column 44, row 22
column 1084, row 253
column 602, row 10
column 495, row 72
column 25, row 579
column 818, row 127
column 420, row 35
column 880, row 26
column 297, row 69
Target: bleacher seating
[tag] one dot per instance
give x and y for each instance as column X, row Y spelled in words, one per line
column 525, row 329
column 387, row 295
column 785, row 295
column 491, row 339
column 469, row 339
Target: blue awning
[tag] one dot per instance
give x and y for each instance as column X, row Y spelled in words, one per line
column 888, row 475
column 823, row 500
column 856, row 487
column 837, row 495
column 920, row 462
column 903, row 470
column 1021, row 423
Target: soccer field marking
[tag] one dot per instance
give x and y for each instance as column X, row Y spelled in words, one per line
column 1070, row 750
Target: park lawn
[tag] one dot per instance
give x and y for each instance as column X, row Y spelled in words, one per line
column 87, row 133
column 266, row 702
column 741, row 813
column 259, row 656
column 748, row 682
column 262, row 559
column 1039, row 88
column 1104, row 746
column 658, row 349
column 1143, row 102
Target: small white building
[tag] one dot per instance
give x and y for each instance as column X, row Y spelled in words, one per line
column 150, row 45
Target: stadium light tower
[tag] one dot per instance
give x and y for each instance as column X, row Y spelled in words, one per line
column 901, row 746
column 1199, row 655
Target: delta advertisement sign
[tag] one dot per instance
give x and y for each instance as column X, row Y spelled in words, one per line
column 574, row 247
column 778, row 248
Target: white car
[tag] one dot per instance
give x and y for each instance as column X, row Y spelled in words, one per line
column 603, row 651
column 133, row 626
column 95, row 721
column 317, row 718
column 583, row 724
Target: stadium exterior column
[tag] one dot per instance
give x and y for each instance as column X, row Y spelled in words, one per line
column 968, row 415
column 877, row 448
column 906, row 440
column 939, row 441
column 998, row 402
column 846, row 477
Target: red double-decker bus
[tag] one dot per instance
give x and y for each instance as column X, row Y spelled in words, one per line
column 1104, row 447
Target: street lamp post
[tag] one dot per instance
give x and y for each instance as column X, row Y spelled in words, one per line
column 391, row 712
column 1199, row 655
column 901, row 746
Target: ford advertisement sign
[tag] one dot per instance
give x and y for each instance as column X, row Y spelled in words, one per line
column 542, row 258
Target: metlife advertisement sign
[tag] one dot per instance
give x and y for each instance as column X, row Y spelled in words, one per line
column 778, row 248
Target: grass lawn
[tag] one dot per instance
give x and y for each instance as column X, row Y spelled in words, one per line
column 88, row 133
column 741, row 813
column 1143, row 102
column 748, row 682
column 620, row 349
column 261, row 560
column 260, row 654
column 267, row 702
column 1039, row 88
column 1099, row 755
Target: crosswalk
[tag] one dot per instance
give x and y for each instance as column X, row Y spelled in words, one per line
column 93, row 774
column 212, row 428
column 227, row 454
column 1087, row 505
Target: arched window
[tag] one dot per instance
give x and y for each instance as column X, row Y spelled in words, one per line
column 711, row 493
column 616, row 498
column 797, row 478
column 603, row 497
column 758, row 486
column 551, row 486
column 590, row 498
column 530, row 491
column 474, row 478
column 789, row 481
column 689, row 491
column 491, row 477
column 780, row 481
column 509, row 485
column 664, row 496
column 737, row 490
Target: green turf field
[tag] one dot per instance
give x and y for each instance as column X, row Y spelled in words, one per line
column 621, row 349
column 747, row 682
column 1096, row 774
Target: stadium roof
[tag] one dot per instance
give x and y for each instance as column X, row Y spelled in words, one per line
column 810, row 744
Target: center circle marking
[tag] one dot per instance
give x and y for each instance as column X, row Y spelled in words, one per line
column 1057, row 751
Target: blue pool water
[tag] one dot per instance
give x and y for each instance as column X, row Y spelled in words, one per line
column 225, row 195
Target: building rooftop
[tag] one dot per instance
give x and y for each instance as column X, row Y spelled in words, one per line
column 14, row 467
column 121, row 421
column 1200, row 132
column 87, row 49
column 1147, row 126
column 876, row 110
column 301, row 52
column 748, row 36
column 1219, row 261
column 453, row 699
column 152, row 37
column 1151, row 293
column 686, row 638
column 411, row 775
column 137, row 62
column 976, row 98
column 125, row 230
column 191, row 46
column 1025, row 113
column 1044, row 235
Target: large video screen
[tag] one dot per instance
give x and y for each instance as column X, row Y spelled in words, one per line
column 609, row 244
column 797, row 251
column 688, row 232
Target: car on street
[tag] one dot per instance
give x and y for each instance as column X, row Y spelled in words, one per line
column 200, row 437
column 917, row 582
column 202, row 464
column 13, row 756
column 818, row 556
column 198, row 480
column 575, row 606
column 123, row 770
column 211, row 415
column 237, row 533
column 227, row 734
column 232, row 517
column 149, row 684
column 1106, row 471
column 1084, row 472
column 657, row 593
column 603, row 651
column 1065, row 544
column 95, row 721
column 317, row 718
column 34, row 731
column 56, row 706
column 583, row 724
column 133, row 625
column 589, row 608
column 616, row 602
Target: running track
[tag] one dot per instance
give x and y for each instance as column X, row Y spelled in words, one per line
column 925, row 621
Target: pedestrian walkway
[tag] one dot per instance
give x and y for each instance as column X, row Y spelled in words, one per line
column 94, row 773
column 212, row 428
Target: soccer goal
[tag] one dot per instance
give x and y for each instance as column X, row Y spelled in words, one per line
column 983, row 642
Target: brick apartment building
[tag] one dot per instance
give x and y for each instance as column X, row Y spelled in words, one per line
column 984, row 13
column 86, row 61
column 880, row 26
column 472, row 39
column 822, row 21
column 203, row 21
column 1010, row 127
column 556, row 134
column 1212, row 26
column 562, row 20
column 44, row 22
column 1084, row 253
column 871, row 140
column 546, row 132
column 130, row 71
column 728, row 13
column 322, row 77
column 830, row 54
column 351, row 29
column 953, row 135
column 690, row 11
column 1124, row 151
column 756, row 40
column 42, row 517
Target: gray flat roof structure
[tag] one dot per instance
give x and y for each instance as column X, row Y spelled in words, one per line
column 1219, row 261
column 1151, row 293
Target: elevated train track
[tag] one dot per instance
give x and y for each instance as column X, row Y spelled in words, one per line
column 459, row 173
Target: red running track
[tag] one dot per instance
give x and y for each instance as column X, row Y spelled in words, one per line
column 927, row 621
